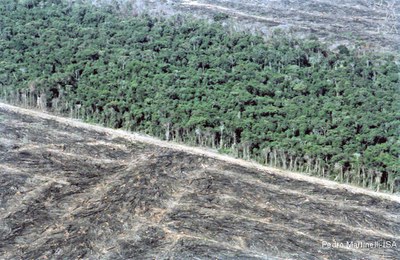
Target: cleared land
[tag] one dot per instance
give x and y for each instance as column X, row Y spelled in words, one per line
column 71, row 190
column 375, row 24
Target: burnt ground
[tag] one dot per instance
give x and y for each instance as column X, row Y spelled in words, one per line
column 373, row 24
column 69, row 192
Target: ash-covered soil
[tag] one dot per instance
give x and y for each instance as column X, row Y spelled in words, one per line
column 69, row 192
column 374, row 24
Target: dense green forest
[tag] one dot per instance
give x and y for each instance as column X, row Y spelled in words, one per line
column 285, row 102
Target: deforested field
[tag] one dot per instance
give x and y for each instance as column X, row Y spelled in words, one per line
column 371, row 23
column 74, row 191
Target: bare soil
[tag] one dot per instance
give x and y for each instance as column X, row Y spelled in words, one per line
column 70, row 190
column 373, row 24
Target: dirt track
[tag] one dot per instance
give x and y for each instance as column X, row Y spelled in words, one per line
column 72, row 190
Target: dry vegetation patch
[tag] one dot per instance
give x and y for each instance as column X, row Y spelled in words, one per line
column 72, row 191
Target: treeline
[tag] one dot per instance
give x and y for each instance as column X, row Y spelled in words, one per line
column 285, row 102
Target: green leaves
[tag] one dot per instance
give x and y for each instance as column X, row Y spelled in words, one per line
column 146, row 74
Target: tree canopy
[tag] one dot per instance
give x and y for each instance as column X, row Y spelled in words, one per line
column 286, row 102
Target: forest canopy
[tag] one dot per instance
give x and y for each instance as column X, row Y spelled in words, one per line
column 285, row 102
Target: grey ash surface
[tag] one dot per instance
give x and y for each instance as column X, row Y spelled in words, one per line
column 375, row 24
column 71, row 193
